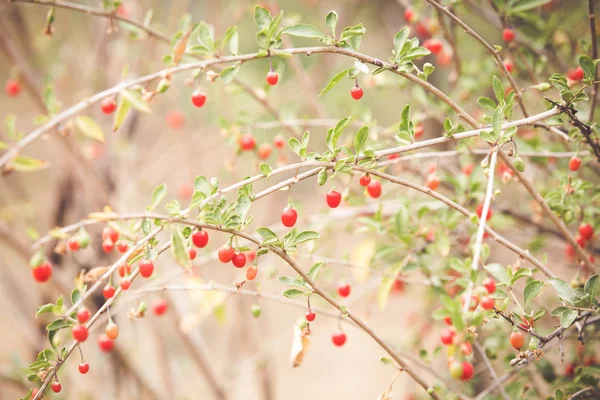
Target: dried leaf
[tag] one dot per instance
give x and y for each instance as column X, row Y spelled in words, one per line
column 94, row 274
column 180, row 48
column 300, row 344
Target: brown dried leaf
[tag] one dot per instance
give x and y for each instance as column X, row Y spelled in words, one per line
column 300, row 344
column 180, row 48
column 94, row 274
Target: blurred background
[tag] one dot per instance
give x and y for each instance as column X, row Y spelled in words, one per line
column 209, row 346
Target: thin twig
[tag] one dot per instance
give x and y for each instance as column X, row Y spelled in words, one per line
column 488, row 364
column 592, row 17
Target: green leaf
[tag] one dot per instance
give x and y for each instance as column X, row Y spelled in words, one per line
column 399, row 40
column 360, row 139
column 532, row 289
column 486, row 103
column 293, row 293
column 205, row 36
column 592, row 287
column 158, row 195
column 499, row 272
column 228, row 73
column 331, row 21
column 201, row 184
column 305, row 236
column 289, row 281
column 179, row 249
column 589, row 69
column 322, row 176
column 334, row 81
column 520, row 273
column 242, row 206
column 564, row 290
column 27, row 164
column 262, row 17
column 265, row 169
column 44, row 309
column 304, row 30
column 58, row 324
column 568, row 317
column 525, row 5
column 266, row 233
column 122, row 111
column 75, row 295
column 90, row 128
column 497, row 121
column 498, row 88
column 135, row 99
column 313, row 272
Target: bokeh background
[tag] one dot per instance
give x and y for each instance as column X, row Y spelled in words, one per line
column 209, row 346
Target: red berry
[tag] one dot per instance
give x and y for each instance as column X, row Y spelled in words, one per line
column 447, row 336
column 239, row 260
column 570, row 369
column 108, row 105
column 448, row 320
column 467, row 371
column 487, row 303
column 192, row 253
column 474, row 301
column 310, row 315
column 112, row 331
column 422, row 29
column 124, row 269
column 42, row 272
column 175, row 119
column 408, row 14
column 466, row 348
column 343, row 290
column 200, row 239
column 356, row 93
column 84, row 368
column 467, row 169
column 338, row 338
column 226, row 253
column 198, row 98
column 73, row 244
column 146, row 268
column 509, row 65
column 374, row 189
column 250, row 256
column 80, row 333
column 108, row 233
column 122, row 246
column 333, row 198
column 289, row 215
column 83, row 314
column 480, row 211
column 574, row 163
column 12, row 88
column 264, row 151
column 569, row 250
column 575, row 74
column 419, row 130
column 364, row 180
column 490, row 285
column 272, row 78
column 586, row 231
column 433, row 182
column 517, row 340
column 251, row 272
column 105, row 344
column 508, row 35
column 125, row 284
column 278, row 142
column 580, row 241
column 160, row 307
column 108, row 292
column 107, row 246
column 247, row 142
column 433, row 45
column 56, row 387
column 393, row 156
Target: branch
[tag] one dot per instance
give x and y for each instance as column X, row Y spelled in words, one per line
column 592, row 18
column 488, row 364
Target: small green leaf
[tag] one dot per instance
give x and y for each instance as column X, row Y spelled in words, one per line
column 498, row 88
column 305, row 236
column 399, row 40
column 334, row 81
column 135, row 99
column 122, row 111
column 158, row 195
column 360, row 139
column 520, row 273
column 58, row 324
column 497, row 121
column 28, row 164
column 201, row 184
column 568, row 317
column 331, row 21
column 293, row 293
column 499, row 272
column 304, row 30
column 592, row 287
column 322, row 176
column 90, row 128
column 313, row 272
column 266, row 233
column 44, row 309
column 564, row 290
column 265, row 169
column 75, row 295
column 589, row 69
column 262, row 17
column 179, row 249
column 532, row 289
column 229, row 73
column 289, row 281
